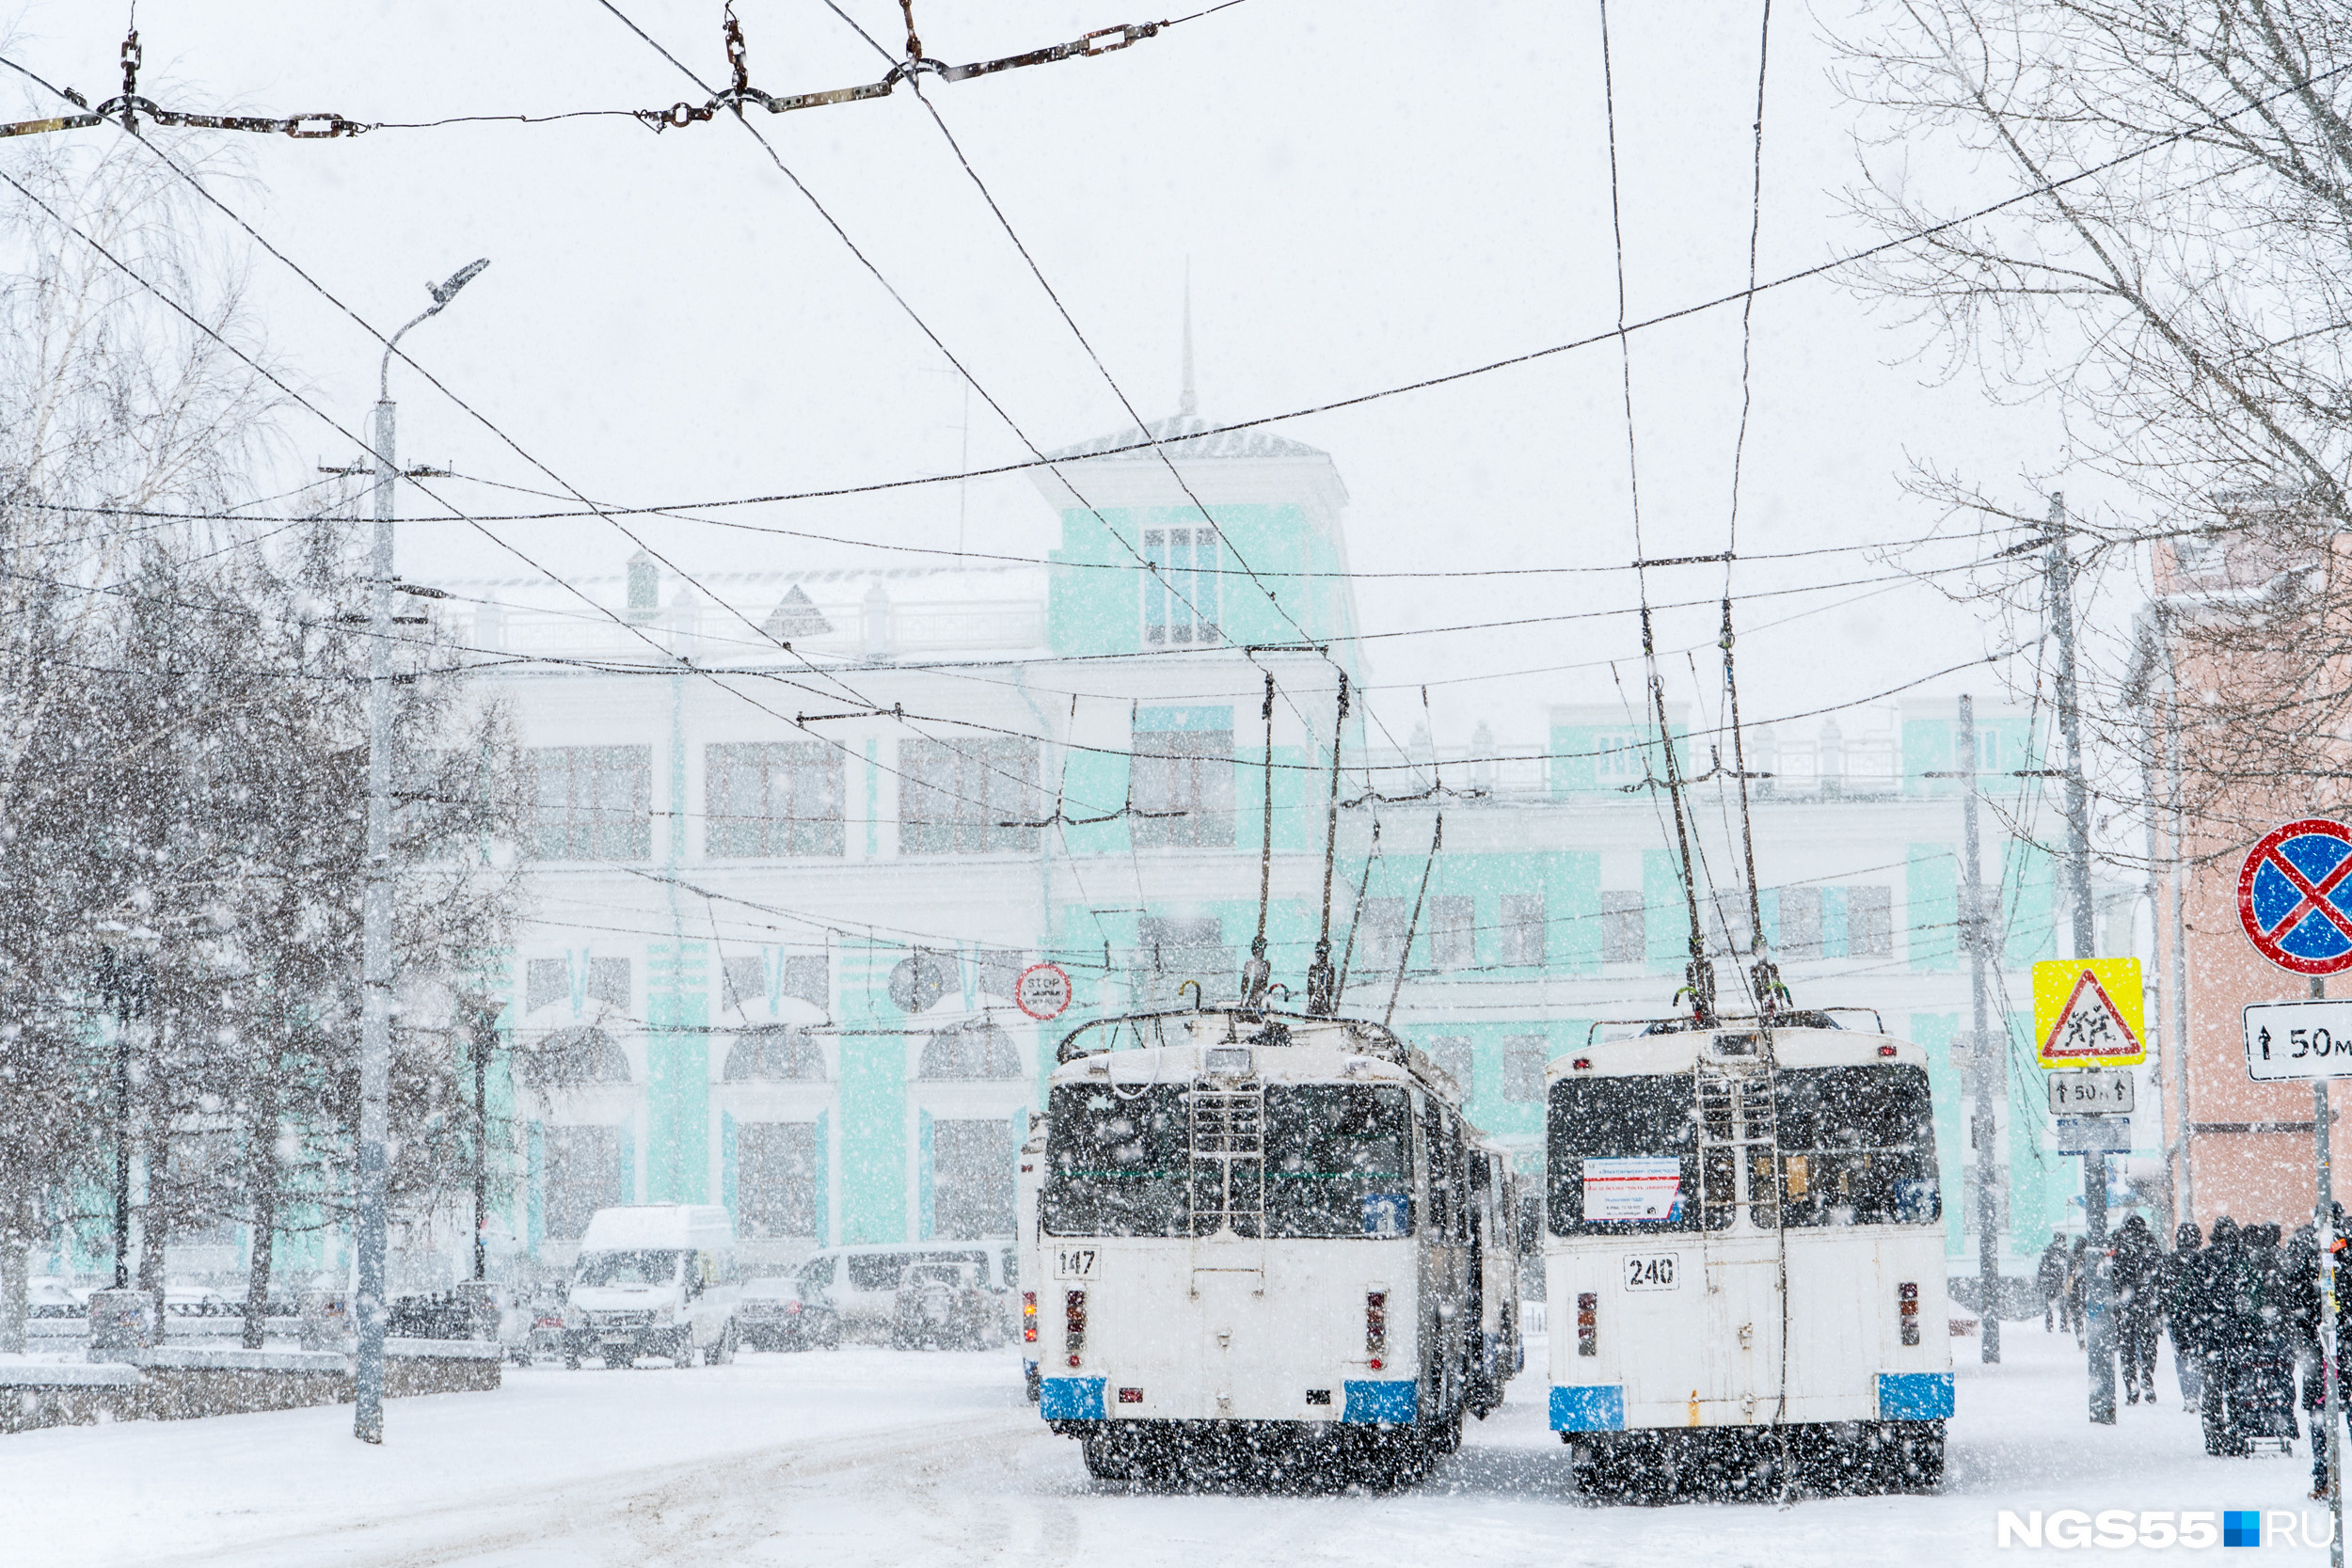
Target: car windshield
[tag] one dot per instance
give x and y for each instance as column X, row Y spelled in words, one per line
column 629, row 1266
column 776, row 1288
column 1338, row 1161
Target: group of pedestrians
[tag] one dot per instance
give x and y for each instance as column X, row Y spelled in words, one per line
column 2241, row 1310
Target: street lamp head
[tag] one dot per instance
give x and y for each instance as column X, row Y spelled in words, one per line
column 444, row 292
column 127, row 938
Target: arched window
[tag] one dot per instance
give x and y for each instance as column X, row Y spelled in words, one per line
column 773, row 1052
column 975, row 1049
column 567, row 1058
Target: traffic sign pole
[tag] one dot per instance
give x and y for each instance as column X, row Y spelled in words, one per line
column 2329, row 1349
column 2294, row 900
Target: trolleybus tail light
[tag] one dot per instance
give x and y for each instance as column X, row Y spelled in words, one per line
column 1587, row 1323
column 1907, row 1308
column 1887, row 1050
column 1028, row 1317
column 1074, row 1324
column 1582, row 1064
column 1131, row 1395
column 1377, row 1327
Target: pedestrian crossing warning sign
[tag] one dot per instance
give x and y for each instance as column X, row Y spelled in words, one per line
column 2087, row 1013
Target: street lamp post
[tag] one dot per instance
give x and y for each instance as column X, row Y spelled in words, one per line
column 375, row 1024
column 124, row 952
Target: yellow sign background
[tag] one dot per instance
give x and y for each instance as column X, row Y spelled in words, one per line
column 2054, row 983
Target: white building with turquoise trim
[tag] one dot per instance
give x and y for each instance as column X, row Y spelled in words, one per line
column 800, row 832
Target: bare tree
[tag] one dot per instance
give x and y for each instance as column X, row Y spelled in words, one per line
column 107, row 401
column 2178, row 286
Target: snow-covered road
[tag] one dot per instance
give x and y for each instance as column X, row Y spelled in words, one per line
column 867, row 1456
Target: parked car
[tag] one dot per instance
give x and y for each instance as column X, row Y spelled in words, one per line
column 943, row 1307
column 47, row 1296
column 654, row 1279
column 862, row 1282
column 531, row 1322
column 199, row 1301
column 775, row 1316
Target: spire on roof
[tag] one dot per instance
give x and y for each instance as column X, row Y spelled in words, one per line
column 1189, row 404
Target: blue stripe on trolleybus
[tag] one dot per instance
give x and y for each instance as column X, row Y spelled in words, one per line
column 1069, row 1399
column 1396, row 1402
column 1598, row 1407
column 1913, row 1396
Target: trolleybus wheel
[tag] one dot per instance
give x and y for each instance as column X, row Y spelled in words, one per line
column 1108, row 1457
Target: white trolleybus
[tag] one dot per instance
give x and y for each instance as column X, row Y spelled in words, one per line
column 1262, row 1247
column 1745, row 1258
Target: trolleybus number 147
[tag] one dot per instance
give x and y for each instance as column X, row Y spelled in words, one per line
column 1073, row 1262
column 1656, row 1270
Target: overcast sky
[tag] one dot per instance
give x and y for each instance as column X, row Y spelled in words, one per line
column 1365, row 194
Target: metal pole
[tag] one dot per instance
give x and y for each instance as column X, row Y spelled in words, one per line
column 375, row 1024
column 2329, row 1349
column 2180, row 921
column 485, row 1031
column 2097, row 1290
column 122, row 1144
column 1990, row 1062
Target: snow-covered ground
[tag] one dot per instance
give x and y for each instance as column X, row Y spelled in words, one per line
column 869, row 1456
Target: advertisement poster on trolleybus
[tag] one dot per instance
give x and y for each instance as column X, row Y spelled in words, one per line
column 1642, row 1188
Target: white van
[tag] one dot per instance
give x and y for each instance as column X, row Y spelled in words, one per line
column 862, row 1282
column 654, row 1279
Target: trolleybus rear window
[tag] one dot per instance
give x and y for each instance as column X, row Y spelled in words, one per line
column 1632, row 1144
column 1339, row 1160
column 1116, row 1162
column 1857, row 1146
column 1332, row 1160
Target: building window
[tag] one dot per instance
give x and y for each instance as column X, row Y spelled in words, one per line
column 775, row 1052
column 1624, row 929
column 1870, row 921
column 1453, row 933
column 1524, row 920
column 970, row 798
column 1380, row 936
column 1801, row 922
column 583, row 1175
column 608, row 982
column 546, row 981
column 571, row 1058
column 1455, row 1056
column 775, row 1179
column 1618, row 758
column 779, row 798
column 1180, row 591
column 1189, row 773
column 1524, row 1058
column 1169, row 951
column 594, row 802
column 974, row 1050
column 971, row 1180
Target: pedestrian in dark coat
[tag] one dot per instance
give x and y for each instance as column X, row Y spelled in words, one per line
column 2050, row 1278
column 2139, row 1308
column 2077, row 1283
column 2176, row 1275
column 2214, row 1292
column 2266, row 1307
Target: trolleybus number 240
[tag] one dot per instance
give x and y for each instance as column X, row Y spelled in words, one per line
column 1654, row 1271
